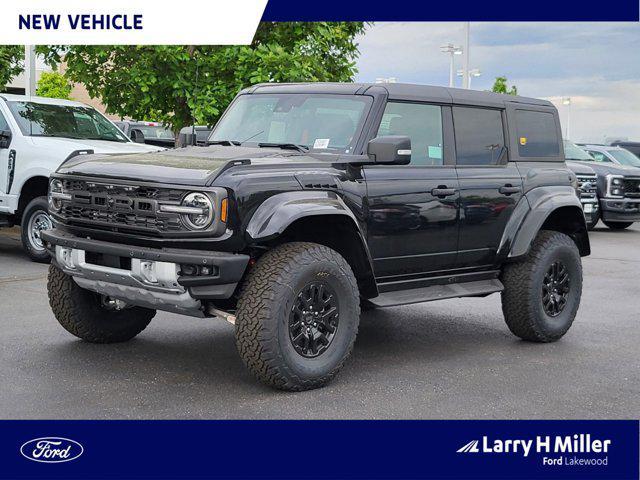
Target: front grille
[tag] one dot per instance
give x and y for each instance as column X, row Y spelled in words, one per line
column 632, row 187
column 587, row 185
column 111, row 206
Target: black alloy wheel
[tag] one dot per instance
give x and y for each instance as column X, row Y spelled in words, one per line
column 313, row 320
column 555, row 289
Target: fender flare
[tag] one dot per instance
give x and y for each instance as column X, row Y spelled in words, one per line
column 276, row 213
column 280, row 211
column 530, row 214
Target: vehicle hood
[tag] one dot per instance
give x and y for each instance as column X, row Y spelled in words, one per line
column 98, row 146
column 580, row 168
column 611, row 168
column 197, row 166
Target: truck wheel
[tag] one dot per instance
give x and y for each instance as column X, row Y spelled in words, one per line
column 90, row 316
column 542, row 293
column 297, row 316
column 35, row 218
column 618, row 225
column 594, row 221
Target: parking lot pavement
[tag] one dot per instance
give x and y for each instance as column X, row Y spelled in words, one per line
column 448, row 359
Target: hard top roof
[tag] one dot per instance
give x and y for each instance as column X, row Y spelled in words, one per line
column 401, row 91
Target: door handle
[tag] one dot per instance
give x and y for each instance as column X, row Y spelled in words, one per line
column 442, row 191
column 508, row 189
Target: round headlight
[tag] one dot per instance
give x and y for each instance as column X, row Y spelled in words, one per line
column 616, row 181
column 202, row 216
column 55, row 204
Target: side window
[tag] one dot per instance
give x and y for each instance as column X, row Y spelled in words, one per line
column 479, row 136
column 422, row 123
column 537, row 134
column 599, row 156
column 3, row 123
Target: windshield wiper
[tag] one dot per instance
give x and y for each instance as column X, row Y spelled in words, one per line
column 285, row 146
column 227, row 143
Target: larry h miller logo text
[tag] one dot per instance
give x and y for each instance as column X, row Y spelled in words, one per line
column 570, row 450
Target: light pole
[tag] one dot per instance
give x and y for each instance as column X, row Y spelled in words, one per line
column 452, row 50
column 30, row 70
column 465, row 76
column 567, row 102
column 474, row 72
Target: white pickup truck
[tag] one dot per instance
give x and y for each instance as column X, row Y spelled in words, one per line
column 36, row 136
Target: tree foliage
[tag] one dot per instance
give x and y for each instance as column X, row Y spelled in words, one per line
column 179, row 84
column 53, row 85
column 500, row 86
column 11, row 63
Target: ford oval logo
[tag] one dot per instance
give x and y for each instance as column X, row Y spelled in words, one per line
column 51, row 450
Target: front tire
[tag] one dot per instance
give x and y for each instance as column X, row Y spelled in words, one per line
column 297, row 316
column 85, row 314
column 617, row 225
column 542, row 292
column 35, row 219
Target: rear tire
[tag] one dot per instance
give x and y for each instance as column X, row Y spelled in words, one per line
column 617, row 225
column 35, row 218
column 539, row 305
column 297, row 316
column 82, row 313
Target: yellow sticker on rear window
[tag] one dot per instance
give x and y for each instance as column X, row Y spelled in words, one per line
column 523, row 140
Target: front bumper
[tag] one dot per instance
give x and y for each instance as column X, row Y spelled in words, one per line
column 147, row 277
column 620, row 209
column 591, row 210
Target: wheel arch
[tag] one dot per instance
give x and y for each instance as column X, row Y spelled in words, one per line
column 319, row 217
column 554, row 208
column 34, row 187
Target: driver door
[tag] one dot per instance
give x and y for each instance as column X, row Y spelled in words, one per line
column 412, row 217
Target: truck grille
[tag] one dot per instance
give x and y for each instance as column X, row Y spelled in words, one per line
column 632, row 187
column 111, row 206
column 587, row 185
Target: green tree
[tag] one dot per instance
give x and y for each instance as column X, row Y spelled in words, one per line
column 178, row 84
column 500, row 86
column 53, row 85
column 11, row 63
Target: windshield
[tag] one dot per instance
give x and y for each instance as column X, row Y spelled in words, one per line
column 313, row 121
column 574, row 152
column 155, row 131
column 44, row 120
column 625, row 157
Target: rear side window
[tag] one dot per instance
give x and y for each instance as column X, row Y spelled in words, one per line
column 479, row 136
column 422, row 123
column 537, row 134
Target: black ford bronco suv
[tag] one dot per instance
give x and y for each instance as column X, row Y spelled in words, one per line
column 312, row 200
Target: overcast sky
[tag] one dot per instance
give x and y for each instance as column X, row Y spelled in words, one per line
column 596, row 64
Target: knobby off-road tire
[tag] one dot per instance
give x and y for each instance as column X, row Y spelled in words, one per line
column 523, row 298
column 81, row 313
column 270, row 304
column 618, row 225
column 34, row 219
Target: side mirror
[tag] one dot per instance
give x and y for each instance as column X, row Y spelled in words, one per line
column 136, row 135
column 5, row 138
column 390, row 150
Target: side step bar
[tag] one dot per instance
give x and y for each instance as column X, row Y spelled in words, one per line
column 438, row 292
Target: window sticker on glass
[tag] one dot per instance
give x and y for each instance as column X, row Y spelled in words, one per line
column 435, row 152
column 523, row 141
column 321, row 143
